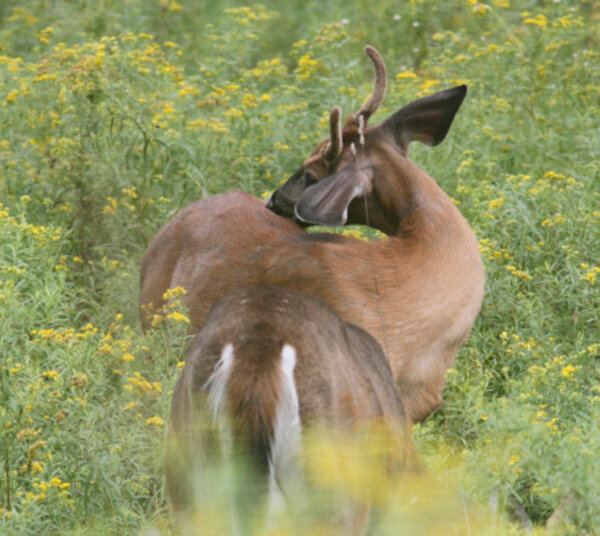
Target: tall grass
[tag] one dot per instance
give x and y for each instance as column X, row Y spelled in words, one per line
column 113, row 115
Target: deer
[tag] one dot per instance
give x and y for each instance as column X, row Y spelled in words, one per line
column 260, row 376
column 418, row 290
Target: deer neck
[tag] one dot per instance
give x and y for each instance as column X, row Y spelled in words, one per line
column 414, row 206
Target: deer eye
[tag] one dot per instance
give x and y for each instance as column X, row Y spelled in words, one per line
column 309, row 179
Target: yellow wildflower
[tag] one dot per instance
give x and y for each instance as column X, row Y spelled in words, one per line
column 590, row 276
column 305, row 65
column 156, row 421
column 559, row 218
column 249, row 100
column 130, row 192
column 26, row 433
column 129, row 406
column 174, row 292
column 496, row 203
column 539, row 20
column 12, row 96
column 178, row 317
column 127, row 357
column 79, row 380
column 408, row 74
column 37, row 467
column 233, row 112
column 111, row 208
column 50, row 375
column 44, row 35
column 519, row 273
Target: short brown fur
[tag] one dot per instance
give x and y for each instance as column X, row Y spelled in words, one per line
column 342, row 378
column 418, row 291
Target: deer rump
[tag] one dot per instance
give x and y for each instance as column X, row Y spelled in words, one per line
column 269, row 364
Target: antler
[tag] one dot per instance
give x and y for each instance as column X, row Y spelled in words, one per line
column 370, row 107
column 334, row 148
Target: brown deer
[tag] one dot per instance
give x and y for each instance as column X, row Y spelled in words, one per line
column 417, row 292
column 269, row 365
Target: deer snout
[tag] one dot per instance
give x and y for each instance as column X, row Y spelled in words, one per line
column 271, row 203
column 281, row 206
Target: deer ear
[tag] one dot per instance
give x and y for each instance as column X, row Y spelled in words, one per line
column 326, row 203
column 428, row 119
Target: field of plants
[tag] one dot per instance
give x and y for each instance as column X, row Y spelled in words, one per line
column 115, row 114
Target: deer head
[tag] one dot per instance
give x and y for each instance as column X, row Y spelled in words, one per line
column 359, row 175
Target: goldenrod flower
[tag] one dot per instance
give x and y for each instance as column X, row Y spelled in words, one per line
column 127, row 357
column 156, row 421
column 178, row 317
column 12, row 96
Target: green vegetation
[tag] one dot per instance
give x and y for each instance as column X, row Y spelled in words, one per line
column 113, row 115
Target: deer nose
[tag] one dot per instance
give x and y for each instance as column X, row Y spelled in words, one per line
column 281, row 206
column 270, row 203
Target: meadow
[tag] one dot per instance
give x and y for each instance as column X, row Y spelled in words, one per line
column 115, row 114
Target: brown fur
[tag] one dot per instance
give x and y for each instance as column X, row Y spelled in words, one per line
column 417, row 292
column 342, row 377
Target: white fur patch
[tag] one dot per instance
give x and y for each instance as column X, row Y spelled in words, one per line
column 217, row 383
column 288, row 361
column 361, row 129
column 285, row 448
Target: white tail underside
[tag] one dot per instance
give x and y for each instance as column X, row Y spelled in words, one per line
column 285, row 447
